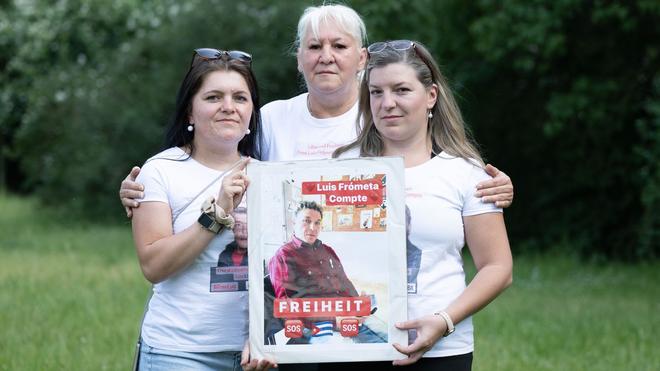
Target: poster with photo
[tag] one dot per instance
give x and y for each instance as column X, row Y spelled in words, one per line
column 327, row 262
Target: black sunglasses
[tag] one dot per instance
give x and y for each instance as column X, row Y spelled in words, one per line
column 398, row 45
column 207, row 54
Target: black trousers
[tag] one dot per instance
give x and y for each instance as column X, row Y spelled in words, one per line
column 461, row 362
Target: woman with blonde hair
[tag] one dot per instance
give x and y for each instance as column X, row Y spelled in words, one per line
column 407, row 109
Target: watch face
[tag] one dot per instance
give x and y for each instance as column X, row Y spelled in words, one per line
column 207, row 222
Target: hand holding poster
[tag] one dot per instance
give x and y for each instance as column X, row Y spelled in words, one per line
column 327, row 276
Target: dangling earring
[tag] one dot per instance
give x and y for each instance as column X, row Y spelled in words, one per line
column 430, row 115
column 191, row 127
column 247, row 131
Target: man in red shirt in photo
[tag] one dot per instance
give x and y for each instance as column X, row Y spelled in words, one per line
column 305, row 267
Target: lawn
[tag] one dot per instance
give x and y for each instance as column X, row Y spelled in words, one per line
column 72, row 295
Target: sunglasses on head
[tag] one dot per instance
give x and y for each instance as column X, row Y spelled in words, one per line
column 207, row 54
column 398, row 45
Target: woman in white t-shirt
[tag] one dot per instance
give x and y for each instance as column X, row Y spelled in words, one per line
column 407, row 109
column 197, row 318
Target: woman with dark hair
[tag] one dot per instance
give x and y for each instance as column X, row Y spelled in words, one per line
column 184, row 222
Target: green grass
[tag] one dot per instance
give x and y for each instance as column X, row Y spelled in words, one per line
column 560, row 314
column 71, row 294
column 71, row 297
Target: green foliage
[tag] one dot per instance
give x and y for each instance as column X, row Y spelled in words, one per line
column 91, row 96
column 563, row 95
column 569, row 114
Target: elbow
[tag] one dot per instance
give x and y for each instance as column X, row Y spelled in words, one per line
column 152, row 268
column 508, row 279
column 152, row 274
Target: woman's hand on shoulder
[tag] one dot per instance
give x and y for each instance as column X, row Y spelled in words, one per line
column 498, row 190
column 130, row 190
column 429, row 330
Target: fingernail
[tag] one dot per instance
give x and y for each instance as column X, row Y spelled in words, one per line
column 477, row 194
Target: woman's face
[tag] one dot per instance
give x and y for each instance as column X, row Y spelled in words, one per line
column 221, row 108
column 400, row 103
column 331, row 61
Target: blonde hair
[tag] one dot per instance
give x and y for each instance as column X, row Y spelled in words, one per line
column 447, row 130
column 347, row 19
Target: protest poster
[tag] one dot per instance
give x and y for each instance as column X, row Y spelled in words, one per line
column 327, row 259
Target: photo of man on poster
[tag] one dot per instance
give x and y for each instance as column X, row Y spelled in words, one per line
column 305, row 267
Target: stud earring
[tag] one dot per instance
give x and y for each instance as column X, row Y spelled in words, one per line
column 191, row 127
column 430, row 114
column 247, row 131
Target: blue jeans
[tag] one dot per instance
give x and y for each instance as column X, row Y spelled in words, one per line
column 165, row 360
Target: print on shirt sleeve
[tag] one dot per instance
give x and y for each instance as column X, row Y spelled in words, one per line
column 413, row 257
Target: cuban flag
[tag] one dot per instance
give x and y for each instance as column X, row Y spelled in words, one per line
column 323, row 328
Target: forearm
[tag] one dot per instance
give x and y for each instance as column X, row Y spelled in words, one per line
column 486, row 285
column 486, row 236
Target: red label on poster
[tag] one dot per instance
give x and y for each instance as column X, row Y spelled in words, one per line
column 349, row 327
column 293, row 328
column 347, row 192
column 322, row 307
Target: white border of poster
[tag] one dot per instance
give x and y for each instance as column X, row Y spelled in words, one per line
column 362, row 234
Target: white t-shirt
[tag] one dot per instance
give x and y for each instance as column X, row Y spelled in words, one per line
column 439, row 193
column 292, row 133
column 195, row 310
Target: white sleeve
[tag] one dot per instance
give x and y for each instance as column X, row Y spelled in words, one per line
column 155, row 185
column 473, row 205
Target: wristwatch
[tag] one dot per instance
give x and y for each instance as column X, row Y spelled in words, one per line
column 208, row 222
column 214, row 217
